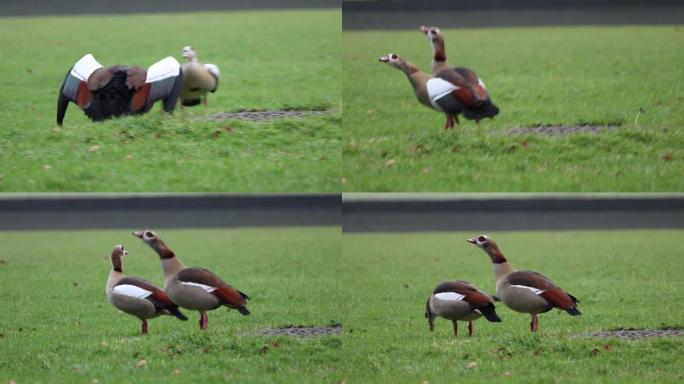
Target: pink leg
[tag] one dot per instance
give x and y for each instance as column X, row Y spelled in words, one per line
column 455, row 328
column 534, row 323
column 144, row 327
column 449, row 122
column 204, row 320
column 470, row 328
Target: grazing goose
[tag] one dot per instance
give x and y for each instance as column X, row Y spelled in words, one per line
column 525, row 291
column 470, row 90
column 118, row 90
column 136, row 296
column 432, row 92
column 193, row 288
column 198, row 80
column 459, row 300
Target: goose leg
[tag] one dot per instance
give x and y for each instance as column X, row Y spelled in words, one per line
column 204, row 320
column 534, row 323
column 455, row 328
column 144, row 327
column 470, row 328
column 449, row 122
column 431, row 322
column 204, row 100
column 456, row 118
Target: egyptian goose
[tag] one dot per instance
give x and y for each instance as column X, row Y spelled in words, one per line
column 193, row 288
column 118, row 90
column 136, row 296
column 525, row 291
column 469, row 89
column 459, row 300
column 198, row 79
column 435, row 93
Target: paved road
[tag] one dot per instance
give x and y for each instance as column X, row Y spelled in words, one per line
column 90, row 211
column 360, row 212
column 96, row 7
column 509, row 212
column 369, row 15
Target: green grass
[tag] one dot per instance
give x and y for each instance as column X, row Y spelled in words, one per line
column 57, row 326
column 623, row 279
column 626, row 75
column 269, row 60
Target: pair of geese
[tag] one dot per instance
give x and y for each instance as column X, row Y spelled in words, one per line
column 191, row 288
column 199, row 289
column 450, row 90
column 522, row 291
column 118, row 90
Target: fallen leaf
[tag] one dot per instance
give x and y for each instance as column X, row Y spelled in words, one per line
column 667, row 156
column 228, row 129
column 75, row 284
column 454, row 149
column 95, row 381
column 104, row 343
column 407, row 286
column 344, row 180
column 276, row 344
column 507, row 373
column 263, row 349
column 129, row 157
column 471, row 365
column 177, row 371
column 594, row 351
column 140, row 363
column 384, row 154
column 390, row 163
column 46, row 167
column 94, row 148
column 426, row 170
column 607, row 347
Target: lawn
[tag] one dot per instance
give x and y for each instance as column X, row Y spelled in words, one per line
column 622, row 278
column 269, row 60
column 626, row 76
column 57, row 326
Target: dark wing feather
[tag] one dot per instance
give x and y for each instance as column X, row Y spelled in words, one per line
column 473, row 296
column 552, row 293
column 227, row 294
column 158, row 298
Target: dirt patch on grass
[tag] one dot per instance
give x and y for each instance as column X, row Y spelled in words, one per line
column 558, row 130
column 636, row 333
column 298, row 331
column 265, row 115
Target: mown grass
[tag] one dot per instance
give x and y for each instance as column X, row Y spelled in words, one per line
column 269, row 60
column 623, row 279
column 630, row 76
column 57, row 326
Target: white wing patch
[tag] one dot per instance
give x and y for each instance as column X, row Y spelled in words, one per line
column 449, row 296
column 479, row 81
column 165, row 68
column 85, row 67
column 438, row 88
column 213, row 69
column 132, row 291
column 536, row 291
column 205, row 287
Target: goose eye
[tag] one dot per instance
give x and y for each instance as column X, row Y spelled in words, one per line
column 481, row 239
column 148, row 234
column 394, row 57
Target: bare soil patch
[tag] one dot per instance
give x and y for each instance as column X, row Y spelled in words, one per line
column 559, row 130
column 636, row 333
column 264, row 115
column 298, row 331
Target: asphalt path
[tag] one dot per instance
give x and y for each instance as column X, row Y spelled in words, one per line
column 374, row 15
column 108, row 7
column 375, row 212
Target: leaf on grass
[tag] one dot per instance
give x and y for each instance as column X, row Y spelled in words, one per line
column 140, row 363
column 177, row 371
column 471, row 365
column 93, row 148
column 104, row 343
column 263, row 349
column 667, row 157
column 390, row 163
column 426, row 170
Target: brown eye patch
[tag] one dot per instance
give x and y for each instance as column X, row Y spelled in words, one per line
column 481, row 239
column 148, row 234
column 394, row 57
